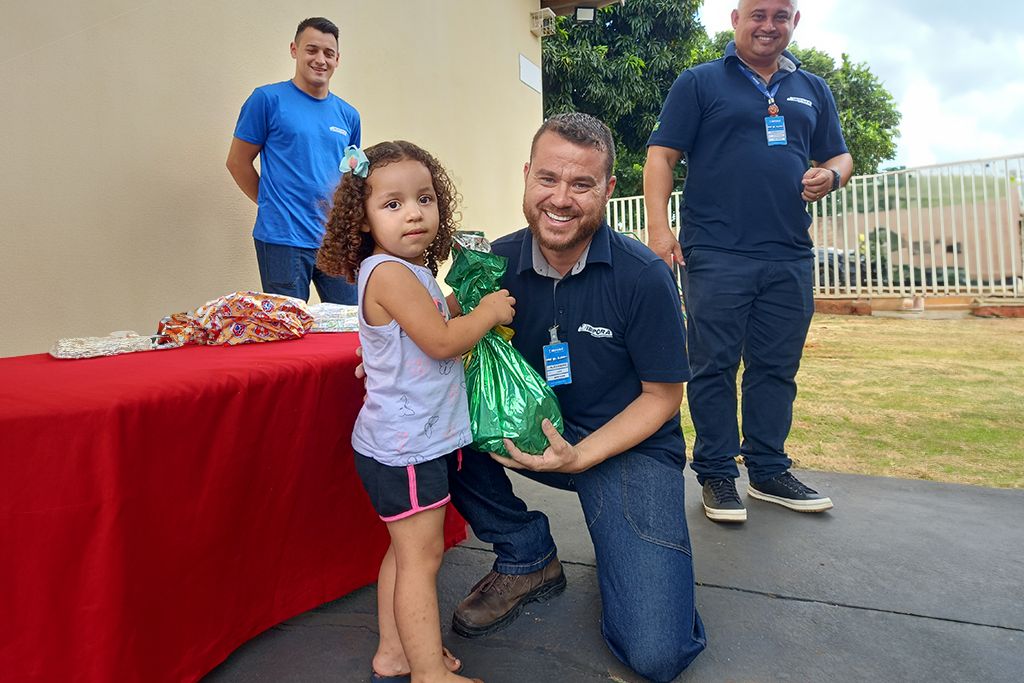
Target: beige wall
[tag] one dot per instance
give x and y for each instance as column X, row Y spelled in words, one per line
column 116, row 116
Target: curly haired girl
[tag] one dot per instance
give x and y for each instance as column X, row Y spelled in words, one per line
column 391, row 224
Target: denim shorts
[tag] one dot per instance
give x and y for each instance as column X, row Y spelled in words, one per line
column 398, row 492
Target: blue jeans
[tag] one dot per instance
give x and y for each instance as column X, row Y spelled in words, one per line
column 289, row 270
column 757, row 310
column 633, row 506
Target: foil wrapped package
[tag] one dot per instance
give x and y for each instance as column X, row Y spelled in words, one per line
column 507, row 398
column 113, row 344
column 334, row 317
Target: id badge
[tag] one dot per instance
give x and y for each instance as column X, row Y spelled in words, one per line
column 556, row 364
column 775, row 128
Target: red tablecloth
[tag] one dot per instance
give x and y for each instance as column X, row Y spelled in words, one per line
column 158, row 509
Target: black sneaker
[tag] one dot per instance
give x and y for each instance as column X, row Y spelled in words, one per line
column 788, row 491
column 721, row 502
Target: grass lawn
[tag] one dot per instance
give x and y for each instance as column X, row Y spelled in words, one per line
column 925, row 399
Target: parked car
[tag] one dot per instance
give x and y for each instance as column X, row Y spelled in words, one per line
column 839, row 268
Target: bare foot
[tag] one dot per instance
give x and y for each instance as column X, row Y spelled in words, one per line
column 398, row 665
column 451, row 662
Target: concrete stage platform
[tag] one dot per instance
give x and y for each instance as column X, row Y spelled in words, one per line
column 901, row 581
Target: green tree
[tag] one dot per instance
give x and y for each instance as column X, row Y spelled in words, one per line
column 867, row 111
column 868, row 115
column 620, row 68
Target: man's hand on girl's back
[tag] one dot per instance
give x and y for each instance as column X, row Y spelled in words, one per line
column 360, row 371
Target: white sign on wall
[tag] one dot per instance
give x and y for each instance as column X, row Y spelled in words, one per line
column 529, row 73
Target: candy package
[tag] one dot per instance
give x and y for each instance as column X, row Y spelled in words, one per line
column 507, row 398
column 334, row 318
column 238, row 318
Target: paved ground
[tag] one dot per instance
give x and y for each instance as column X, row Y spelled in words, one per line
column 902, row 581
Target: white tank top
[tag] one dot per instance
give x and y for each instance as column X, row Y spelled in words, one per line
column 416, row 407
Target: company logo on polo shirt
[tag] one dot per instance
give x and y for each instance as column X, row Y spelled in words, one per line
column 800, row 100
column 342, row 131
column 599, row 332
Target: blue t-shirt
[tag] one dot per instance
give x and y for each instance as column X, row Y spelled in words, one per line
column 622, row 319
column 303, row 142
column 742, row 195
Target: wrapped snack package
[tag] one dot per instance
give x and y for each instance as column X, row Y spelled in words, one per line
column 113, row 344
column 237, row 318
column 334, row 318
column 507, row 398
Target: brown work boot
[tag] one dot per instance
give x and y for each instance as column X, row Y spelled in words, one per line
column 497, row 599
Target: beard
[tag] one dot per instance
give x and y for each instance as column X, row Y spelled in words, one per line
column 588, row 225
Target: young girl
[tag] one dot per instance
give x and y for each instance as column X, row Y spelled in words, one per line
column 391, row 224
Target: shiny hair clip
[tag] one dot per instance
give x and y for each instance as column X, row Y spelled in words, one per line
column 355, row 162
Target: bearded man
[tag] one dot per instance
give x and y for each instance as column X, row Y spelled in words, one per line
column 605, row 312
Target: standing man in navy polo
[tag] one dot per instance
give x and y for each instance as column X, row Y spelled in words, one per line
column 614, row 306
column 300, row 130
column 749, row 125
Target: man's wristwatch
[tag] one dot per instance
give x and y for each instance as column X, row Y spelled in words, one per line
column 837, row 179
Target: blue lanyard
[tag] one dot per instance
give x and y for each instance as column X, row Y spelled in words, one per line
column 770, row 94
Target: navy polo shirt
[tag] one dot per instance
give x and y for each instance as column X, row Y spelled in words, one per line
column 621, row 317
column 741, row 195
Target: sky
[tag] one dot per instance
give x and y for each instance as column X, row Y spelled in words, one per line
column 955, row 69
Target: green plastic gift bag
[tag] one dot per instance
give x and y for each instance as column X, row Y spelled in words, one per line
column 507, row 398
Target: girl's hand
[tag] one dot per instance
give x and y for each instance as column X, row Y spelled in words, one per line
column 499, row 305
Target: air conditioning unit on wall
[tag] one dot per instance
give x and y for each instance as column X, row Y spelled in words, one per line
column 542, row 22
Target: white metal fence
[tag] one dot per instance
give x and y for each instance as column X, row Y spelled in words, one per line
column 950, row 229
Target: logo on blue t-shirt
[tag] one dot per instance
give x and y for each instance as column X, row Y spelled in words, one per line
column 801, row 100
column 340, row 131
column 599, row 332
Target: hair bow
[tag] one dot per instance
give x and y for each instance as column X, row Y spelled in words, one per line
column 355, row 162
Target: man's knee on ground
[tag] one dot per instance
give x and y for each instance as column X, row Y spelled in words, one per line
column 655, row 658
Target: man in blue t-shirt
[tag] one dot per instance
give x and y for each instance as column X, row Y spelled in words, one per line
column 748, row 125
column 611, row 306
column 300, row 130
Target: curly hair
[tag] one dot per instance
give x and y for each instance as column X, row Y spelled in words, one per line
column 345, row 245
